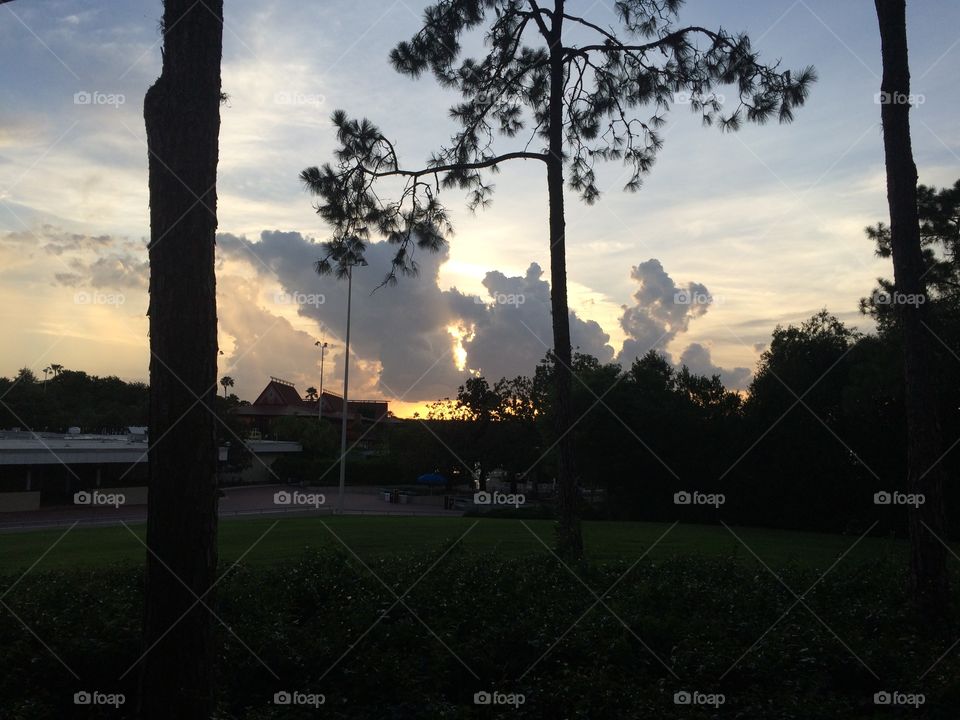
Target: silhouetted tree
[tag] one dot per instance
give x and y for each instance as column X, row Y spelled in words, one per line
column 226, row 381
column 939, row 214
column 578, row 100
column 925, row 473
column 182, row 114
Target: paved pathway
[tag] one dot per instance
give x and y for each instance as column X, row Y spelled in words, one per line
column 238, row 502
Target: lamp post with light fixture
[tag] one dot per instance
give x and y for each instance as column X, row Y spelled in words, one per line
column 346, row 380
column 323, row 346
column 343, row 254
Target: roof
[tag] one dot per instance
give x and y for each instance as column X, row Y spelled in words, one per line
column 280, row 398
column 277, row 393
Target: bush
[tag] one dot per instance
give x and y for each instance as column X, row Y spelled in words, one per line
column 326, row 625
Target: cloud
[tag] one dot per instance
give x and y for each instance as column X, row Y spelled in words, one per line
column 68, row 279
column 401, row 335
column 262, row 343
column 662, row 309
column 514, row 330
column 100, row 261
column 97, row 261
column 413, row 341
column 61, row 243
column 697, row 358
column 55, row 240
column 119, row 270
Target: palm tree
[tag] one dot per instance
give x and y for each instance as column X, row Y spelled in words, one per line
column 311, row 393
column 56, row 369
column 226, row 381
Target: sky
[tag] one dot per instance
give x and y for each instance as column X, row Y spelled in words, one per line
column 730, row 235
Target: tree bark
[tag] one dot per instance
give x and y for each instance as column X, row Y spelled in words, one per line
column 182, row 115
column 925, row 475
column 569, row 538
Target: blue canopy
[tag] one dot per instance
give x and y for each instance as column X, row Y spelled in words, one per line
column 432, row 479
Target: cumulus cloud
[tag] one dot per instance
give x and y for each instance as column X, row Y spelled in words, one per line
column 514, row 331
column 401, row 335
column 697, row 358
column 662, row 309
column 263, row 343
column 404, row 338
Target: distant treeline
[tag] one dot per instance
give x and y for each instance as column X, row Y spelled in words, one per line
column 820, row 431
column 72, row 398
column 68, row 398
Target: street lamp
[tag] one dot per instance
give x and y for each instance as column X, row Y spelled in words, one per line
column 342, row 255
column 323, row 346
column 346, row 379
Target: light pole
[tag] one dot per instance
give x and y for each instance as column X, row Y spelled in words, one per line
column 346, row 379
column 323, row 346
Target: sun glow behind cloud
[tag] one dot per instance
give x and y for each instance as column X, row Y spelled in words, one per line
column 459, row 352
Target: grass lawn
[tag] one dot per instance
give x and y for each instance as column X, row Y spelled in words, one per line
column 267, row 541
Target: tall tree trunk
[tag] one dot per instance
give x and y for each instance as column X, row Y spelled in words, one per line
column 569, row 539
column 925, row 475
column 182, row 114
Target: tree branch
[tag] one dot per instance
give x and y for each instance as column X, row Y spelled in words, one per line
column 537, row 13
column 519, row 155
column 666, row 40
